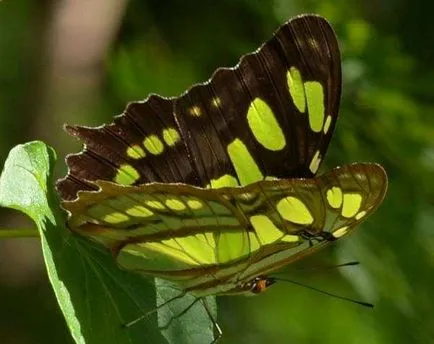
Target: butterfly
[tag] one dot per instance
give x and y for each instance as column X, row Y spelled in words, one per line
column 217, row 188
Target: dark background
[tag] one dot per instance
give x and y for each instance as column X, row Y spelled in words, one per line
column 81, row 61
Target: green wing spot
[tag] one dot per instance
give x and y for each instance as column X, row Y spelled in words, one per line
column 340, row 232
column 224, row 181
column 210, row 239
column 315, row 104
column 244, row 164
column 296, row 89
column 171, row 249
column 115, row 217
column 253, row 241
column 351, row 204
column 327, row 123
column 194, row 204
column 171, row 136
column 264, row 125
column 290, row 238
column 334, row 197
column 310, row 92
column 155, row 205
column 136, row 152
column 294, row 210
column 194, row 246
column 232, row 246
column 139, row 211
column 126, row 175
column 98, row 211
column 265, row 229
column 174, row 204
column 314, row 164
column 153, row 144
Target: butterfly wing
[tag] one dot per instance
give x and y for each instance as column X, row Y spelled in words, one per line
column 271, row 116
column 212, row 241
column 142, row 145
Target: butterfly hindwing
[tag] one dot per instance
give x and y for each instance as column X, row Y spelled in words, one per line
column 319, row 211
column 182, row 232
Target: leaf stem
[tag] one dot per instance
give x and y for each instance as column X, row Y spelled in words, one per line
column 19, row 233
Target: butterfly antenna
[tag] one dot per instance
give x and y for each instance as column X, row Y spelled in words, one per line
column 217, row 330
column 329, row 267
column 361, row 303
column 144, row 316
column 320, row 268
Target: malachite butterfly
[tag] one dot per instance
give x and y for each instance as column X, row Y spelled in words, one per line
column 216, row 189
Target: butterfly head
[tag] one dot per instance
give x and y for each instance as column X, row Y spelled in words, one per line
column 259, row 284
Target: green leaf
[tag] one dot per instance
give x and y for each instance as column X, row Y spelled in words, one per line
column 96, row 297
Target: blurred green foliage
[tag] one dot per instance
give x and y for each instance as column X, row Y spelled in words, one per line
column 386, row 116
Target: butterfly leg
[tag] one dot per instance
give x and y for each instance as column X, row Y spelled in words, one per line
column 177, row 316
column 217, row 330
column 307, row 236
column 144, row 316
column 319, row 237
column 326, row 236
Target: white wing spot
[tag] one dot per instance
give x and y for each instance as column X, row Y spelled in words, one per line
column 216, row 102
column 340, row 232
column 195, row 111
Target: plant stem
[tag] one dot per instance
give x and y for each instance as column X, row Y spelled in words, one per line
column 19, row 233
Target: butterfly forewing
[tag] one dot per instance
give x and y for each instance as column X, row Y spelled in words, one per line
column 271, row 116
column 200, row 237
column 143, row 145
